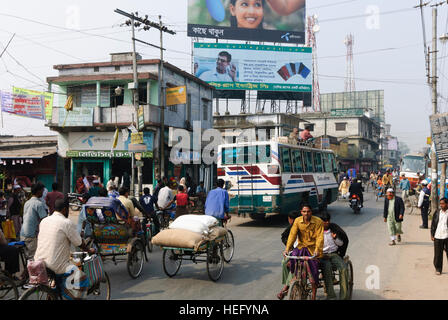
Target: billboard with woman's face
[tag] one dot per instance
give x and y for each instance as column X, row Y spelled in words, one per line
column 250, row 20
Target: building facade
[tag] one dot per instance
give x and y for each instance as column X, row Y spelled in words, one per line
column 358, row 138
column 103, row 102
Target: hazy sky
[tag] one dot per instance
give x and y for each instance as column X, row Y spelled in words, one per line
column 388, row 49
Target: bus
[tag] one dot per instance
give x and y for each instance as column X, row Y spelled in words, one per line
column 267, row 177
column 412, row 165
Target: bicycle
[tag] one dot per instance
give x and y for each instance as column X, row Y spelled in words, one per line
column 301, row 288
column 51, row 291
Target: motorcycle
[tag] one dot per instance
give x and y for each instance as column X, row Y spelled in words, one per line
column 355, row 204
column 76, row 201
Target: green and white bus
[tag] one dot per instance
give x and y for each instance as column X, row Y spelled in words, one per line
column 273, row 177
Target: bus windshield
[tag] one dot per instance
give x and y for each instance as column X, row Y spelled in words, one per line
column 413, row 164
column 246, row 155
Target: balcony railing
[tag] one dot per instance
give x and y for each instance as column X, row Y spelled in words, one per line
column 103, row 117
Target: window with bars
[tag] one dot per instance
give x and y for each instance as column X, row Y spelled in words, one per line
column 341, row 126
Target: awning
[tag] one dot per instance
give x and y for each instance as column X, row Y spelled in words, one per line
column 28, row 153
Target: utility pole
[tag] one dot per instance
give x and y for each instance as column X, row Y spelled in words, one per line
column 162, row 104
column 137, row 21
column 434, row 184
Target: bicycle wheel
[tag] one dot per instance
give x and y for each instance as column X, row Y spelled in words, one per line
column 228, row 246
column 300, row 289
column 171, row 262
column 100, row 291
column 215, row 261
column 294, row 291
column 135, row 260
column 8, row 289
column 40, row 292
column 350, row 280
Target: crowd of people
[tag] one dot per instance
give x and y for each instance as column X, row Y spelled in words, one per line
column 42, row 222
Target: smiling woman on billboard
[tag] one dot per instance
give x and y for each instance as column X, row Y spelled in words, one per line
column 279, row 20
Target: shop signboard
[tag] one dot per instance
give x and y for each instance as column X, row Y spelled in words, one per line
column 439, row 130
column 176, row 95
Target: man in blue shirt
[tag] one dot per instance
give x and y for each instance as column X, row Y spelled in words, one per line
column 217, row 203
column 405, row 186
column 33, row 212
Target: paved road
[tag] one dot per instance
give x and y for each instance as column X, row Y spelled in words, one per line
column 254, row 272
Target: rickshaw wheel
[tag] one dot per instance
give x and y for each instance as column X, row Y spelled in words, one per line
column 229, row 246
column 350, row 280
column 135, row 260
column 101, row 291
column 215, row 260
column 8, row 289
column 171, row 262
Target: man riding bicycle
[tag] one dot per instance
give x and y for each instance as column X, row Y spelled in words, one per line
column 306, row 239
column 217, row 203
column 388, row 180
column 57, row 233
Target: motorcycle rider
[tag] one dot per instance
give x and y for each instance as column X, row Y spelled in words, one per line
column 357, row 189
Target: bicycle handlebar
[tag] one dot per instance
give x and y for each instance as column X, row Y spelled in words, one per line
column 301, row 257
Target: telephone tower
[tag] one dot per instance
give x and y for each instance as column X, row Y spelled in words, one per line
column 350, row 74
column 312, row 29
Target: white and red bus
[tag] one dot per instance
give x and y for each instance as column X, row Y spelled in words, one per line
column 412, row 165
column 273, row 177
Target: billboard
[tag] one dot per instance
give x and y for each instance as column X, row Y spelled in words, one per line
column 31, row 106
column 254, row 67
column 250, row 20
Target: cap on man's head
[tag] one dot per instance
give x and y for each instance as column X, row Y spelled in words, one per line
column 390, row 190
column 424, row 182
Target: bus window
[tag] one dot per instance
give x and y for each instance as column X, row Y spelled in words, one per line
column 327, row 162
column 333, row 162
column 263, row 154
column 286, row 159
column 309, row 161
column 318, row 161
column 297, row 160
column 228, row 155
column 246, row 155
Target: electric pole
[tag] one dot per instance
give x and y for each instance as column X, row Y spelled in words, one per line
column 137, row 21
column 434, row 173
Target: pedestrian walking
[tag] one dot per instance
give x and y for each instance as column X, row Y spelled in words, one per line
column 405, row 186
column 439, row 234
column 423, row 204
column 393, row 215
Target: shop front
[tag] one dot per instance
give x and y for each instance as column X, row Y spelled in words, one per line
column 91, row 154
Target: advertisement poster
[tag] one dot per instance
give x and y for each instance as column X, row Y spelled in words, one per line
column 177, row 95
column 29, row 106
column 79, row 117
column 254, row 67
column 250, row 20
column 48, row 98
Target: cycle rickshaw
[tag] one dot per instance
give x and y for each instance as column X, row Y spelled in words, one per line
column 210, row 251
column 300, row 287
column 116, row 235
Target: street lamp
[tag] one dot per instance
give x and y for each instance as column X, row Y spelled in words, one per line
column 444, row 38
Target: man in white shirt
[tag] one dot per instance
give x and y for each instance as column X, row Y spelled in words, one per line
column 225, row 71
column 439, row 234
column 57, row 233
column 335, row 247
column 165, row 196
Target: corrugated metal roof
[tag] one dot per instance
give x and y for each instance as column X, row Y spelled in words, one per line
column 27, row 147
